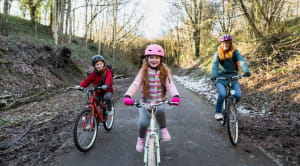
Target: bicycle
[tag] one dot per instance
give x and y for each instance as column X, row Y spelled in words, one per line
column 86, row 124
column 229, row 110
column 152, row 138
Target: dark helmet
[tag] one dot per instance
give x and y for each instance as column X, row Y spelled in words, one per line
column 97, row 58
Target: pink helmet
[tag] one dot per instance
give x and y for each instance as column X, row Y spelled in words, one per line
column 154, row 49
column 224, row 37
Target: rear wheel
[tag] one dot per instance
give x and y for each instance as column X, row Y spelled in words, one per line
column 109, row 120
column 232, row 122
column 152, row 152
column 85, row 131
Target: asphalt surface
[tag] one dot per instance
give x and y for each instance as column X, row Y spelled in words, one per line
column 197, row 139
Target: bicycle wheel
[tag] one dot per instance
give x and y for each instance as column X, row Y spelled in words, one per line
column 232, row 122
column 151, row 152
column 85, row 131
column 223, row 121
column 109, row 121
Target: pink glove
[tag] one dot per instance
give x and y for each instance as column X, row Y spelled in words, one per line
column 128, row 101
column 175, row 100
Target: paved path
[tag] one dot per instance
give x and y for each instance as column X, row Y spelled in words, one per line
column 197, row 139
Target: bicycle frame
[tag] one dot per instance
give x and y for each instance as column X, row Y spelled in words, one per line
column 228, row 107
column 92, row 105
column 152, row 134
column 153, row 129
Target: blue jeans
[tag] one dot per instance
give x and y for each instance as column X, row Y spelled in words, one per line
column 222, row 94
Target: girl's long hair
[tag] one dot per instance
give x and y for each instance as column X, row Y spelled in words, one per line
column 223, row 55
column 163, row 70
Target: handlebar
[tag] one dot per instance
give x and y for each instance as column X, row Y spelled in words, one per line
column 230, row 77
column 87, row 89
column 139, row 103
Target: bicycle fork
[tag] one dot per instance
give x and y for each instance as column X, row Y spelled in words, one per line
column 152, row 133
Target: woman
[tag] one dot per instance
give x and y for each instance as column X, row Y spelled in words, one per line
column 224, row 64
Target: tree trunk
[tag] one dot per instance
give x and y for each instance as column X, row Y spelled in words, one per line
column 86, row 24
column 4, row 28
column 257, row 33
column 55, row 22
column 115, row 7
column 196, row 38
column 61, row 22
column 68, row 23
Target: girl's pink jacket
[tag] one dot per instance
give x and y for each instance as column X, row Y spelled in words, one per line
column 137, row 83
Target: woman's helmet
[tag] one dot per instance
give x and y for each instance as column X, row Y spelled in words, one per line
column 97, row 58
column 155, row 49
column 224, row 37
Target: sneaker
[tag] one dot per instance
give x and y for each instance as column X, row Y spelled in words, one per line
column 140, row 144
column 110, row 112
column 165, row 135
column 218, row 116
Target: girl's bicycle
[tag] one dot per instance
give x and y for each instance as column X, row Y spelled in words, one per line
column 152, row 139
column 229, row 110
column 86, row 124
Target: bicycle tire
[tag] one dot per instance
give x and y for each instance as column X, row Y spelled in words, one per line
column 108, row 123
column 232, row 123
column 152, row 152
column 84, row 136
column 223, row 121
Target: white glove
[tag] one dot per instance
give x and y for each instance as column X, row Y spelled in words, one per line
column 104, row 87
column 78, row 87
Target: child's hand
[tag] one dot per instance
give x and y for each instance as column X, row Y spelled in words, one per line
column 78, row 87
column 104, row 87
column 175, row 100
column 128, row 101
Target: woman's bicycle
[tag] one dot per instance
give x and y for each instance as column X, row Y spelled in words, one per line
column 230, row 111
column 86, row 124
column 152, row 138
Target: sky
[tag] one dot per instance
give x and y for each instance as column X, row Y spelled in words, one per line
column 152, row 27
column 155, row 15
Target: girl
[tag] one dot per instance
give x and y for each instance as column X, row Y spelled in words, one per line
column 155, row 79
column 224, row 65
column 101, row 76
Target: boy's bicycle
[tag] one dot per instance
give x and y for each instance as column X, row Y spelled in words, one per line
column 229, row 110
column 152, row 139
column 86, row 124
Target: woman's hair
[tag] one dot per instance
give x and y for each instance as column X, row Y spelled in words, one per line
column 164, row 71
column 223, row 55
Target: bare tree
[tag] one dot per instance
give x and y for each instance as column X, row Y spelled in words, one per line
column 68, row 26
column 226, row 15
column 270, row 11
column 115, row 10
column 4, row 28
column 191, row 14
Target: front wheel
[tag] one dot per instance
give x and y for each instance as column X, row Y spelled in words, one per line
column 151, row 152
column 223, row 121
column 232, row 122
column 85, row 131
column 109, row 120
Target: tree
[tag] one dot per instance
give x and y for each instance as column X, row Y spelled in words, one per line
column 226, row 14
column 4, row 28
column 34, row 7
